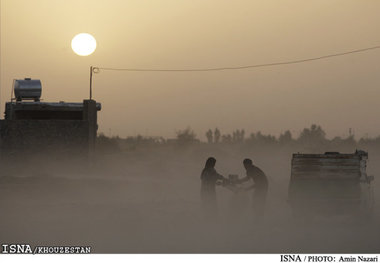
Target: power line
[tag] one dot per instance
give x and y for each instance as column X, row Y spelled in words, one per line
column 97, row 69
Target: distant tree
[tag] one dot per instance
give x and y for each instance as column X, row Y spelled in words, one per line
column 314, row 135
column 265, row 139
column 285, row 138
column 186, row 136
column 242, row 135
column 336, row 141
column 348, row 143
column 107, row 144
column 135, row 142
column 216, row 135
column 238, row 136
column 235, row 135
column 227, row 138
column 350, row 140
column 209, row 136
column 366, row 141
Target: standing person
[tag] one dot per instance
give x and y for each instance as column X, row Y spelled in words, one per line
column 209, row 179
column 260, row 186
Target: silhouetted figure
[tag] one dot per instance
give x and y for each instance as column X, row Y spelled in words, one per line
column 209, row 179
column 260, row 186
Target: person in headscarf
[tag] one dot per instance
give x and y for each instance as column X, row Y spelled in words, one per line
column 209, row 179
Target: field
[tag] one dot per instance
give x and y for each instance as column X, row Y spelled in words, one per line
column 147, row 201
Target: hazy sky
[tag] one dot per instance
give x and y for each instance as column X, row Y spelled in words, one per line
column 338, row 93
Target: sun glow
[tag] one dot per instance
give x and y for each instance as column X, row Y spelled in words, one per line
column 83, row 44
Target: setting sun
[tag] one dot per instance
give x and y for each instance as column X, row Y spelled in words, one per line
column 83, row 44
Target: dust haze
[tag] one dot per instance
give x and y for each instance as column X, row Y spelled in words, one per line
column 140, row 195
column 199, row 34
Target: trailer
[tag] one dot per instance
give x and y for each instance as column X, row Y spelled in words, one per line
column 332, row 183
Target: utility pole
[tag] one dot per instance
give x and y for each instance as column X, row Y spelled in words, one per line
column 91, row 70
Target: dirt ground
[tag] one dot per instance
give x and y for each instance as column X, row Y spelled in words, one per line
column 148, row 201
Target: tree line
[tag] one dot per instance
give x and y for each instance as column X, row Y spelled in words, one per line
column 312, row 136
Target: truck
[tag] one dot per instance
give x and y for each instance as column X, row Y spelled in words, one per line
column 332, row 183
